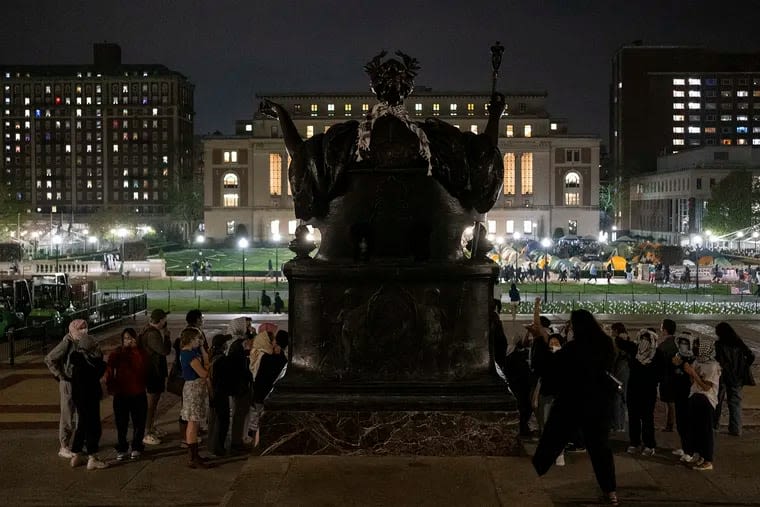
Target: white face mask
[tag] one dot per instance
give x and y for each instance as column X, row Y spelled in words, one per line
column 555, row 348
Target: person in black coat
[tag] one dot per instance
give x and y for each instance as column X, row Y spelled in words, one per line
column 584, row 400
column 646, row 365
column 735, row 360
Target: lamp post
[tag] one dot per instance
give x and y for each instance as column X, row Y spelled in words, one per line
column 755, row 235
column 697, row 242
column 276, row 238
column 546, row 243
column 57, row 243
column 516, row 237
column 243, row 244
column 122, row 233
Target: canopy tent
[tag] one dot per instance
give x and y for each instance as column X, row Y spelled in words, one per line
column 569, row 237
column 618, row 263
column 688, row 262
column 599, row 265
column 625, row 239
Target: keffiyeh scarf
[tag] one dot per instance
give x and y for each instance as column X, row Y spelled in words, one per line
column 647, row 346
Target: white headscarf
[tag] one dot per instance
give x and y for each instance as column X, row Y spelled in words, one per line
column 646, row 341
column 262, row 344
column 238, row 327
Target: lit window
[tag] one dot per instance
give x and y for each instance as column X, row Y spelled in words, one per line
column 725, row 142
column 470, row 109
column 693, row 105
column 725, row 117
column 678, row 142
column 694, row 81
column 436, row 109
column 510, row 226
column 677, row 105
column 678, row 82
column 474, row 129
column 509, row 174
column 275, row 174
column 230, row 227
column 695, row 93
column 116, row 148
column 678, row 93
column 678, row 117
column 365, row 108
column 742, row 117
column 330, row 108
column 155, row 111
column 231, row 200
column 453, row 109
column 756, row 142
column 741, row 130
column 527, row 226
column 309, row 131
column 527, row 130
column 314, row 108
column 510, row 130
column 709, row 130
column 678, row 130
column 526, row 173
column 347, row 109
column 741, row 141
column 230, row 180
column 418, row 107
column 572, row 199
column 553, row 126
column 248, row 127
column 694, row 130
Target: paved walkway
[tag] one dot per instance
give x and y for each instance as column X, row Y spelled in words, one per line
column 32, row 474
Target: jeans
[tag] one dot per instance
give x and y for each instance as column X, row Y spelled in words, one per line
column 219, row 424
column 733, row 395
column 124, row 408
column 544, row 408
column 241, row 405
column 701, row 417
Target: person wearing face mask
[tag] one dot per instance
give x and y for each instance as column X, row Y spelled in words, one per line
column 126, row 378
column 549, row 380
column 236, row 349
column 58, row 362
column 646, row 369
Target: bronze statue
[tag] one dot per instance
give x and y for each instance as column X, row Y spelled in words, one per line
column 467, row 165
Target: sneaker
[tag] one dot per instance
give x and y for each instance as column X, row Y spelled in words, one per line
column 705, row 465
column 560, row 461
column 691, row 460
column 648, row 452
column 78, row 460
column 65, row 452
column 94, row 463
column 158, row 432
column 121, row 456
column 135, row 455
column 151, row 439
column 678, row 452
column 697, row 462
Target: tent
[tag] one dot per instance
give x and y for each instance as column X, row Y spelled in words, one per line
column 618, row 263
column 569, row 237
column 625, row 239
column 590, row 237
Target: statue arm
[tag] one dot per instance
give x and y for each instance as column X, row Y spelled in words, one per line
column 293, row 139
column 495, row 110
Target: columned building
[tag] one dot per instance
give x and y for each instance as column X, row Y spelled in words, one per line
column 80, row 138
column 670, row 204
column 551, row 178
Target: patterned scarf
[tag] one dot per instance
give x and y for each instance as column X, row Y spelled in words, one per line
column 379, row 110
column 706, row 350
column 647, row 346
column 262, row 344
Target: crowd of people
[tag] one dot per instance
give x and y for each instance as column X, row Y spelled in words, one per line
column 583, row 381
column 222, row 386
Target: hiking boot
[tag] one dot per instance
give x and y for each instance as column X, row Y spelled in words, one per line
column 95, row 463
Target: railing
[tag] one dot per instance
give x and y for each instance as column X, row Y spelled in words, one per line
column 37, row 338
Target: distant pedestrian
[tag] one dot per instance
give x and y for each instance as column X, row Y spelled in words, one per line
column 593, row 274
column 610, row 272
column 666, row 272
column 208, row 269
column 265, row 302
column 514, row 300
column 279, row 304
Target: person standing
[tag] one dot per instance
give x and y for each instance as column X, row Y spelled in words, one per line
column 266, row 302
column 194, row 363
column 735, row 360
column 194, row 320
column 621, row 370
column 584, row 400
column 703, row 398
column 237, row 350
column 549, row 381
column 610, row 273
column 156, row 341
column 592, row 274
column 279, row 304
column 668, row 349
column 87, row 368
column 58, row 362
column 645, row 366
column 126, row 377
column 514, row 300
column 221, row 388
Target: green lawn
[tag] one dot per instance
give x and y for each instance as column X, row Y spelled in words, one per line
column 228, row 259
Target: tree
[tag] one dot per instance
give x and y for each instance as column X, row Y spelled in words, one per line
column 186, row 206
column 733, row 203
column 607, row 195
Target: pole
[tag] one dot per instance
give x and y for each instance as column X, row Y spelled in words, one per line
column 276, row 266
column 56, row 257
column 243, row 250
column 546, row 277
column 696, row 269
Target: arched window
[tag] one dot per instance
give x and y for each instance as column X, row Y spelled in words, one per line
column 231, row 184
column 572, row 189
column 509, row 174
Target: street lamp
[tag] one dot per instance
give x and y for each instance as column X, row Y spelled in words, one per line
column 57, row 241
column 122, row 233
column 739, row 236
column 755, row 235
column 243, row 244
column 546, row 243
column 697, row 240
column 516, row 237
column 276, row 238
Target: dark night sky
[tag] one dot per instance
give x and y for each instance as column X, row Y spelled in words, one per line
column 233, row 49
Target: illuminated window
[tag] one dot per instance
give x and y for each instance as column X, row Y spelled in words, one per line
column 694, row 130
column 572, row 189
column 231, row 200
column 330, row 108
column 526, row 173
column 694, row 81
column 365, row 108
column 347, row 109
column 678, row 93
column 470, row 109
column 510, row 226
column 510, row 130
column 453, row 109
column 726, row 142
column 678, row 142
column 418, row 107
column 527, row 226
column 474, row 129
column 155, row 111
column 678, row 130
column 230, row 227
column 693, row 105
column 275, row 174
column 678, row 105
column 230, row 181
column 309, row 131
column 230, row 156
column 314, row 109
column 709, row 130
column 725, row 117
column 509, row 174
column 436, row 109
column 678, row 117
column 248, row 127
column 678, row 82
column 695, row 93
column 553, row 126
column 527, row 130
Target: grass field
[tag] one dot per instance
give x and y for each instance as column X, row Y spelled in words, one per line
column 228, row 259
